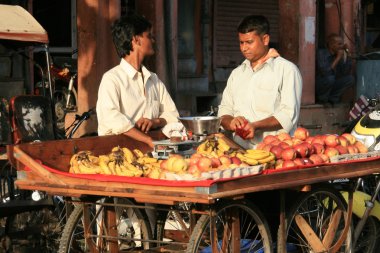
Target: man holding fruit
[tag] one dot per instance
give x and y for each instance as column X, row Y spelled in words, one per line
column 263, row 94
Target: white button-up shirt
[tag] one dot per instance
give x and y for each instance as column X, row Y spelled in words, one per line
column 273, row 90
column 124, row 97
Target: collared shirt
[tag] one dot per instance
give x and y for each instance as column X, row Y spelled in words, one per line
column 273, row 90
column 125, row 95
column 324, row 61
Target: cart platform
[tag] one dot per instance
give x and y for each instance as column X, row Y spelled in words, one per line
column 34, row 175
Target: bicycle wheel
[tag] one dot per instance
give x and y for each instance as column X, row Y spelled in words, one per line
column 317, row 221
column 238, row 226
column 176, row 225
column 107, row 227
column 368, row 241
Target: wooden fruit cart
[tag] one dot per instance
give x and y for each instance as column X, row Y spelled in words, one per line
column 213, row 208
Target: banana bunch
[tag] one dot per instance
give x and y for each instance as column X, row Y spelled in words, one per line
column 222, row 146
column 256, row 156
column 84, row 162
column 122, row 162
column 207, row 146
column 219, row 146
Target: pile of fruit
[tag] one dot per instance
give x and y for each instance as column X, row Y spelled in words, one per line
column 120, row 161
column 214, row 154
column 303, row 149
column 211, row 155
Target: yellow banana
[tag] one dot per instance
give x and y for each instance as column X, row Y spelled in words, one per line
column 257, row 155
column 114, row 149
column 222, row 145
column 118, row 170
column 249, row 161
column 74, row 169
column 112, row 167
column 268, row 159
column 128, row 155
column 138, row 153
column 136, row 172
column 146, row 159
column 201, row 147
column 87, row 170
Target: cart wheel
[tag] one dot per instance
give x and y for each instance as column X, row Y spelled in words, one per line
column 176, row 224
column 109, row 227
column 316, row 222
column 368, row 241
column 237, row 226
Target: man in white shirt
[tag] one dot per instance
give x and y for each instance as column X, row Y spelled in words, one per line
column 263, row 94
column 131, row 99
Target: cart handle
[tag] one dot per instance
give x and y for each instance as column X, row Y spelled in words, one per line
column 35, row 166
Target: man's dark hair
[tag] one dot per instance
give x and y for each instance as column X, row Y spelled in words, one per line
column 256, row 23
column 124, row 29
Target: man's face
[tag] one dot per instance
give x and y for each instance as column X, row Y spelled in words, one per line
column 145, row 42
column 253, row 46
column 336, row 44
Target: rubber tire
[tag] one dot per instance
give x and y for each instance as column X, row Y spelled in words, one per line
column 202, row 225
column 76, row 216
column 328, row 191
column 368, row 241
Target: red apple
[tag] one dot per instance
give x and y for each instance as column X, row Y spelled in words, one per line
column 343, row 141
column 301, row 133
column 352, row 149
column 318, row 148
column 351, row 139
column 310, row 139
column 288, row 154
column 331, row 151
column 194, row 170
column 276, row 150
column 164, row 165
column 194, row 158
column 225, row 160
column 361, row 147
column 267, row 147
column 316, row 159
column 309, row 147
column 325, row 158
column 204, row 163
column 215, row 162
column 283, row 145
column 342, row 149
column 299, row 161
column 301, row 150
column 284, row 136
column 260, row 146
column 275, row 142
column 235, row 160
column 269, row 138
column 318, row 139
column 296, row 141
column 331, row 140
column 288, row 163
column 278, row 164
column 289, row 142
column 307, row 161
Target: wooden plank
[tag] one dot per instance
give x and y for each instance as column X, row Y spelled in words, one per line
column 35, row 166
column 331, row 230
column 309, row 234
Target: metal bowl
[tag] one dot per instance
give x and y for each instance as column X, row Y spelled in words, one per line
column 201, row 125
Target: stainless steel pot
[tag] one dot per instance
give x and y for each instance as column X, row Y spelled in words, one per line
column 201, row 125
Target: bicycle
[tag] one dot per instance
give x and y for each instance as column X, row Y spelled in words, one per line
column 33, row 211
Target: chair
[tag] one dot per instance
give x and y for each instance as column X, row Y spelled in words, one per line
column 31, row 119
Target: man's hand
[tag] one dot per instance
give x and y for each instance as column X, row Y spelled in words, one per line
column 237, row 122
column 144, row 124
